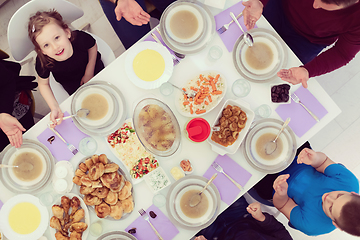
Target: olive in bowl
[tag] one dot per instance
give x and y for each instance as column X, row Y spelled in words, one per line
column 280, row 93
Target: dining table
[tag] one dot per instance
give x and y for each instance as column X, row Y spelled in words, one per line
column 200, row 154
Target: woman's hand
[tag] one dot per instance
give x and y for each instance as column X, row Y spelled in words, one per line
column 255, row 210
column 252, row 12
column 132, row 12
column 280, row 185
column 56, row 113
column 295, row 75
column 12, row 128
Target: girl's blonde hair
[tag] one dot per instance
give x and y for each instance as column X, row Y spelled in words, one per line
column 35, row 26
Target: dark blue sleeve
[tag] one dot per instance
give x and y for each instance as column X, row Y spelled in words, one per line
column 83, row 40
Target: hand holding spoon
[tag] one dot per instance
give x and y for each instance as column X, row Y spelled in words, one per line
column 247, row 36
column 81, row 113
column 196, row 198
column 271, row 146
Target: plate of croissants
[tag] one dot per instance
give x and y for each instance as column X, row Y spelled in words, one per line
column 69, row 215
column 105, row 187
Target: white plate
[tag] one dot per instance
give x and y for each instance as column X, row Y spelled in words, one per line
column 134, row 51
column 198, row 44
column 86, row 219
column 234, row 147
column 5, row 211
column 179, row 97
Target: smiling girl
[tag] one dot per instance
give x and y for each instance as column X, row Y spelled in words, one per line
column 71, row 56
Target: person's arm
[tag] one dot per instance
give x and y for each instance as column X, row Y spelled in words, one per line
column 281, row 199
column 12, row 128
column 90, row 67
column 131, row 11
column 317, row 160
column 339, row 55
column 48, row 95
column 252, row 12
column 274, row 228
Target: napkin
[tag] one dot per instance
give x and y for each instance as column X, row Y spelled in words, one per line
column 150, row 38
column 161, row 223
column 69, row 132
column 233, row 33
column 228, row 190
column 215, row 3
column 301, row 120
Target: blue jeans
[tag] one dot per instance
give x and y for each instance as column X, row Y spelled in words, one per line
column 301, row 46
column 128, row 33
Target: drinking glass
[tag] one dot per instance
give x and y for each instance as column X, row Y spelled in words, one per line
column 87, row 146
column 215, row 53
column 166, row 89
column 159, row 200
column 241, row 88
column 96, row 228
column 263, row 111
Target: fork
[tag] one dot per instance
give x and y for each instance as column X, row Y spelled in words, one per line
column 175, row 60
column 221, row 170
column 71, row 147
column 146, row 218
column 179, row 55
column 226, row 26
column 296, row 99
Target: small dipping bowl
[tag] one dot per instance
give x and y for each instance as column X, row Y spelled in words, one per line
column 197, row 129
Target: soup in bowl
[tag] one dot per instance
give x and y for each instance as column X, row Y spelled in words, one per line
column 184, row 23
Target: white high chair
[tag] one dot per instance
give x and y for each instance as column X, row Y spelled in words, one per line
column 21, row 45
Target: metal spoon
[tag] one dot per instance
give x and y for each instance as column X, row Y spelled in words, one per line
column 196, row 198
column 81, row 113
column 8, row 166
column 271, row 146
column 247, row 36
column 190, row 95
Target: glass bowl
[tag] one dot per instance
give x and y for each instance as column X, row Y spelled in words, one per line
column 16, row 185
column 175, row 193
column 286, row 156
column 201, row 38
column 145, row 133
column 117, row 235
column 269, row 73
column 113, row 118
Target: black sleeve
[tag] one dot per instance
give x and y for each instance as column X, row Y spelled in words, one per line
column 274, row 228
column 7, row 89
column 42, row 72
column 83, row 40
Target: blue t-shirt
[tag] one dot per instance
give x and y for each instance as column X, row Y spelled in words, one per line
column 306, row 187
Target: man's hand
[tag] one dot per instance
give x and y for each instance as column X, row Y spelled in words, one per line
column 252, row 12
column 255, row 210
column 12, row 128
column 280, row 184
column 295, row 75
column 56, row 113
column 308, row 157
column 132, row 12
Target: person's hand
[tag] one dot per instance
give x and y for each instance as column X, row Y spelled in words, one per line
column 12, row 128
column 56, row 113
column 252, row 12
column 86, row 78
column 280, row 185
column 295, row 75
column 255, row 210
column 308, row 157
column 201, row 237
column 132, row 12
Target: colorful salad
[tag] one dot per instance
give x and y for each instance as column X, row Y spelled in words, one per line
column 143, row 167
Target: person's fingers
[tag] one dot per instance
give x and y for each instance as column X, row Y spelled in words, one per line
column 304, row 83
column 18, row 124
column 145, row 14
